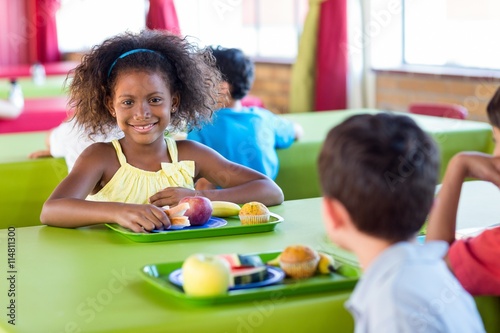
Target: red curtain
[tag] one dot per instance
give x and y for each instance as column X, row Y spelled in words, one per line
column 162, row 16
column 47, row 48
column 331, row 58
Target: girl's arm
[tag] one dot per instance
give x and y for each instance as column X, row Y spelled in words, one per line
column 443, row 216
column 239, row 183
column 67, row 207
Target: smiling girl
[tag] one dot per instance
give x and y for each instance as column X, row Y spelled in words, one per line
column 148, row 84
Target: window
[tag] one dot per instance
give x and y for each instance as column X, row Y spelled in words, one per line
column 455, row 33
column 269, row 29
column 85, row 23
column 261, row 28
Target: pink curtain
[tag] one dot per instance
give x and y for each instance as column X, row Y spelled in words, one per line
column 162, row 16
column 47, row 48
column 331, row 58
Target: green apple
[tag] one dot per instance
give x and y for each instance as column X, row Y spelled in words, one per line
column 205, row 275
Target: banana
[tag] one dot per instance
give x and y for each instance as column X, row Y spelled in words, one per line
column 326, row 263
column 225, row 209
column 274, row 262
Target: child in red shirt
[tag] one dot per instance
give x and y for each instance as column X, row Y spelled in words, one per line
column 474, row 261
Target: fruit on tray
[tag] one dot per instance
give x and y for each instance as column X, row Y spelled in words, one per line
column 326, row 264
column 254, row 213
column 245, row 275
column 206, row 275
column 245, row 268
column 275, row 261
column 242, row 260
column 199, row 211
column 225, row 209
column 176, row 214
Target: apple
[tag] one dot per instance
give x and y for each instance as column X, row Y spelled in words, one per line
column 200, row 209
column 205, row 275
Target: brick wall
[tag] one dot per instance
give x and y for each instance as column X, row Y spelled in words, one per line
column 396, row 90
column 272, row 85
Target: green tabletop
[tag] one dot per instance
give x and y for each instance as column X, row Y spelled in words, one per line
column 53, row 87
column 298, row 176
column 30, row 182
column 88, row 279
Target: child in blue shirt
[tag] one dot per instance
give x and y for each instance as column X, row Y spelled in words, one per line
column 245, row 135
column 378, row 175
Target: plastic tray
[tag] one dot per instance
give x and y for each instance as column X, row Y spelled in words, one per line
column 344, row 279
column 233, row 227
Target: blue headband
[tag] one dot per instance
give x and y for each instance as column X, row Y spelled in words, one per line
column 129, row 53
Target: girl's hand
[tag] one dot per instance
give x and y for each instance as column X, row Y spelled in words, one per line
column 142, row 218
column 171, row 196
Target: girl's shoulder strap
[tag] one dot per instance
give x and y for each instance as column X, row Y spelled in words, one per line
column 172, row 149
column 119, row 152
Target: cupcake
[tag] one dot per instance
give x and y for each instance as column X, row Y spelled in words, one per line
column 254, row 213
column 299, row 261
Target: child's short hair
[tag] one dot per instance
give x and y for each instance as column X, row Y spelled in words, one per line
column 237, row 69
column 383, row 168
column 493, row 109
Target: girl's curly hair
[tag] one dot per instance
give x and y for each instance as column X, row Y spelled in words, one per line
column 188, row 70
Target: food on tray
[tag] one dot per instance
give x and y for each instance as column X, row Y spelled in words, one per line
column 176, row 214
column 326, row 264
column 245, row 275
column 245, row 268
column 225, row 209
column 242, row 260
column 199, row 211
column 299, row 261
column 254, row 213
column 206, row 275
column 180, row 221
column 275, row 261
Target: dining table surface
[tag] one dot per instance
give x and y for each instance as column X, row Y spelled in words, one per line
column 298, row 174
column 91, row 279
column 38, row 114
column 24, row 70
column 53, row 86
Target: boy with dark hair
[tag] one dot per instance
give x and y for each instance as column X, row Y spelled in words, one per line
column 378, row 175
column 475, row 260
column 246, row 135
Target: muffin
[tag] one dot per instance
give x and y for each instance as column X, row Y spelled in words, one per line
column 299, row 261
column 254, row 213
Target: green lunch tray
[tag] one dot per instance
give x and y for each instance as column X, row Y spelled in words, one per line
column 233, row 227
column 345, row 278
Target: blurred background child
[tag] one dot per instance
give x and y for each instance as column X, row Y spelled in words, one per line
column 474, row 260
column 9, row 110
column 246, row 135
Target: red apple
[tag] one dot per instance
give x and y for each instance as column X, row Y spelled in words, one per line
column 200, row 209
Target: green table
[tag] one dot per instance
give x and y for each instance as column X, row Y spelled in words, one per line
column 87, row 279
column 30, row 182
column 298, row 176
column 53, row 87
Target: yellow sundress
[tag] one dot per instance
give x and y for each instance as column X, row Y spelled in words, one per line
column 132, row 185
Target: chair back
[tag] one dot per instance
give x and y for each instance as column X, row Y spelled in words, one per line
column 439, row 110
